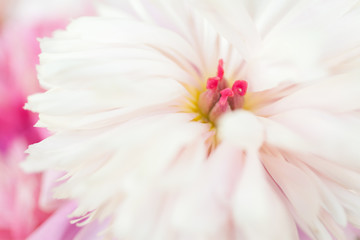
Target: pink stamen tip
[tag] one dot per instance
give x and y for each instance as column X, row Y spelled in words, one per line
column 227, row 92
column 220, row 70
column 240, row 87
column 212, row 83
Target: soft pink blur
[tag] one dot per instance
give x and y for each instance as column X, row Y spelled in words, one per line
column 19, row 194
column 22, row 193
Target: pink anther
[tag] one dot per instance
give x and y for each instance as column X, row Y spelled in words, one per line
column 220, row 70
column 240, row 87
column 227, row 92
column 212, row 83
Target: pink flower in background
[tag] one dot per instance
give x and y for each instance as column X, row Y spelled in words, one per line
column 23, row 203
column 19, row 195
column 206, row 119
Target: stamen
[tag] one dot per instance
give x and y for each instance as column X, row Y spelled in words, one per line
column 222, row 105
column 220, row 70
column 240, row 87
column 208, row 99
column 219, row 98
column 227, row 92
column 220, row 74
column 212, row 83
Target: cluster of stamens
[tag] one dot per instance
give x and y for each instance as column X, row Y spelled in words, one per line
column 219, row 97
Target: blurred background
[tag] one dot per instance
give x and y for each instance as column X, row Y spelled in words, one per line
column 26, row 206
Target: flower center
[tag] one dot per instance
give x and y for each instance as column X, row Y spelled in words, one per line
column 218, row 98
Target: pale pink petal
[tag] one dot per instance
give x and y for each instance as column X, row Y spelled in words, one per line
column 203, row 211
column 258, row 211
column 92, row 231
column 339, row 93
column 294, row 184
column 58, row 226
column 321, row 127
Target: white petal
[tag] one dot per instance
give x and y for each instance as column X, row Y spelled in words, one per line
column 296, row 186
column 241, row 129
column 340, row 93
column 204, row 209
column 259, row 212
column 282, row 137
column 95, row 159
column 339, row 136
column 233, row 21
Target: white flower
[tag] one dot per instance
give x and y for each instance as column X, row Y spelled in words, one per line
column 158, row 131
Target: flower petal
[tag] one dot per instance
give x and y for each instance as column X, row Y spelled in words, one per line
column 258, row 210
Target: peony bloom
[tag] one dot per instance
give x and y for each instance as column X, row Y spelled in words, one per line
column 197, row 119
